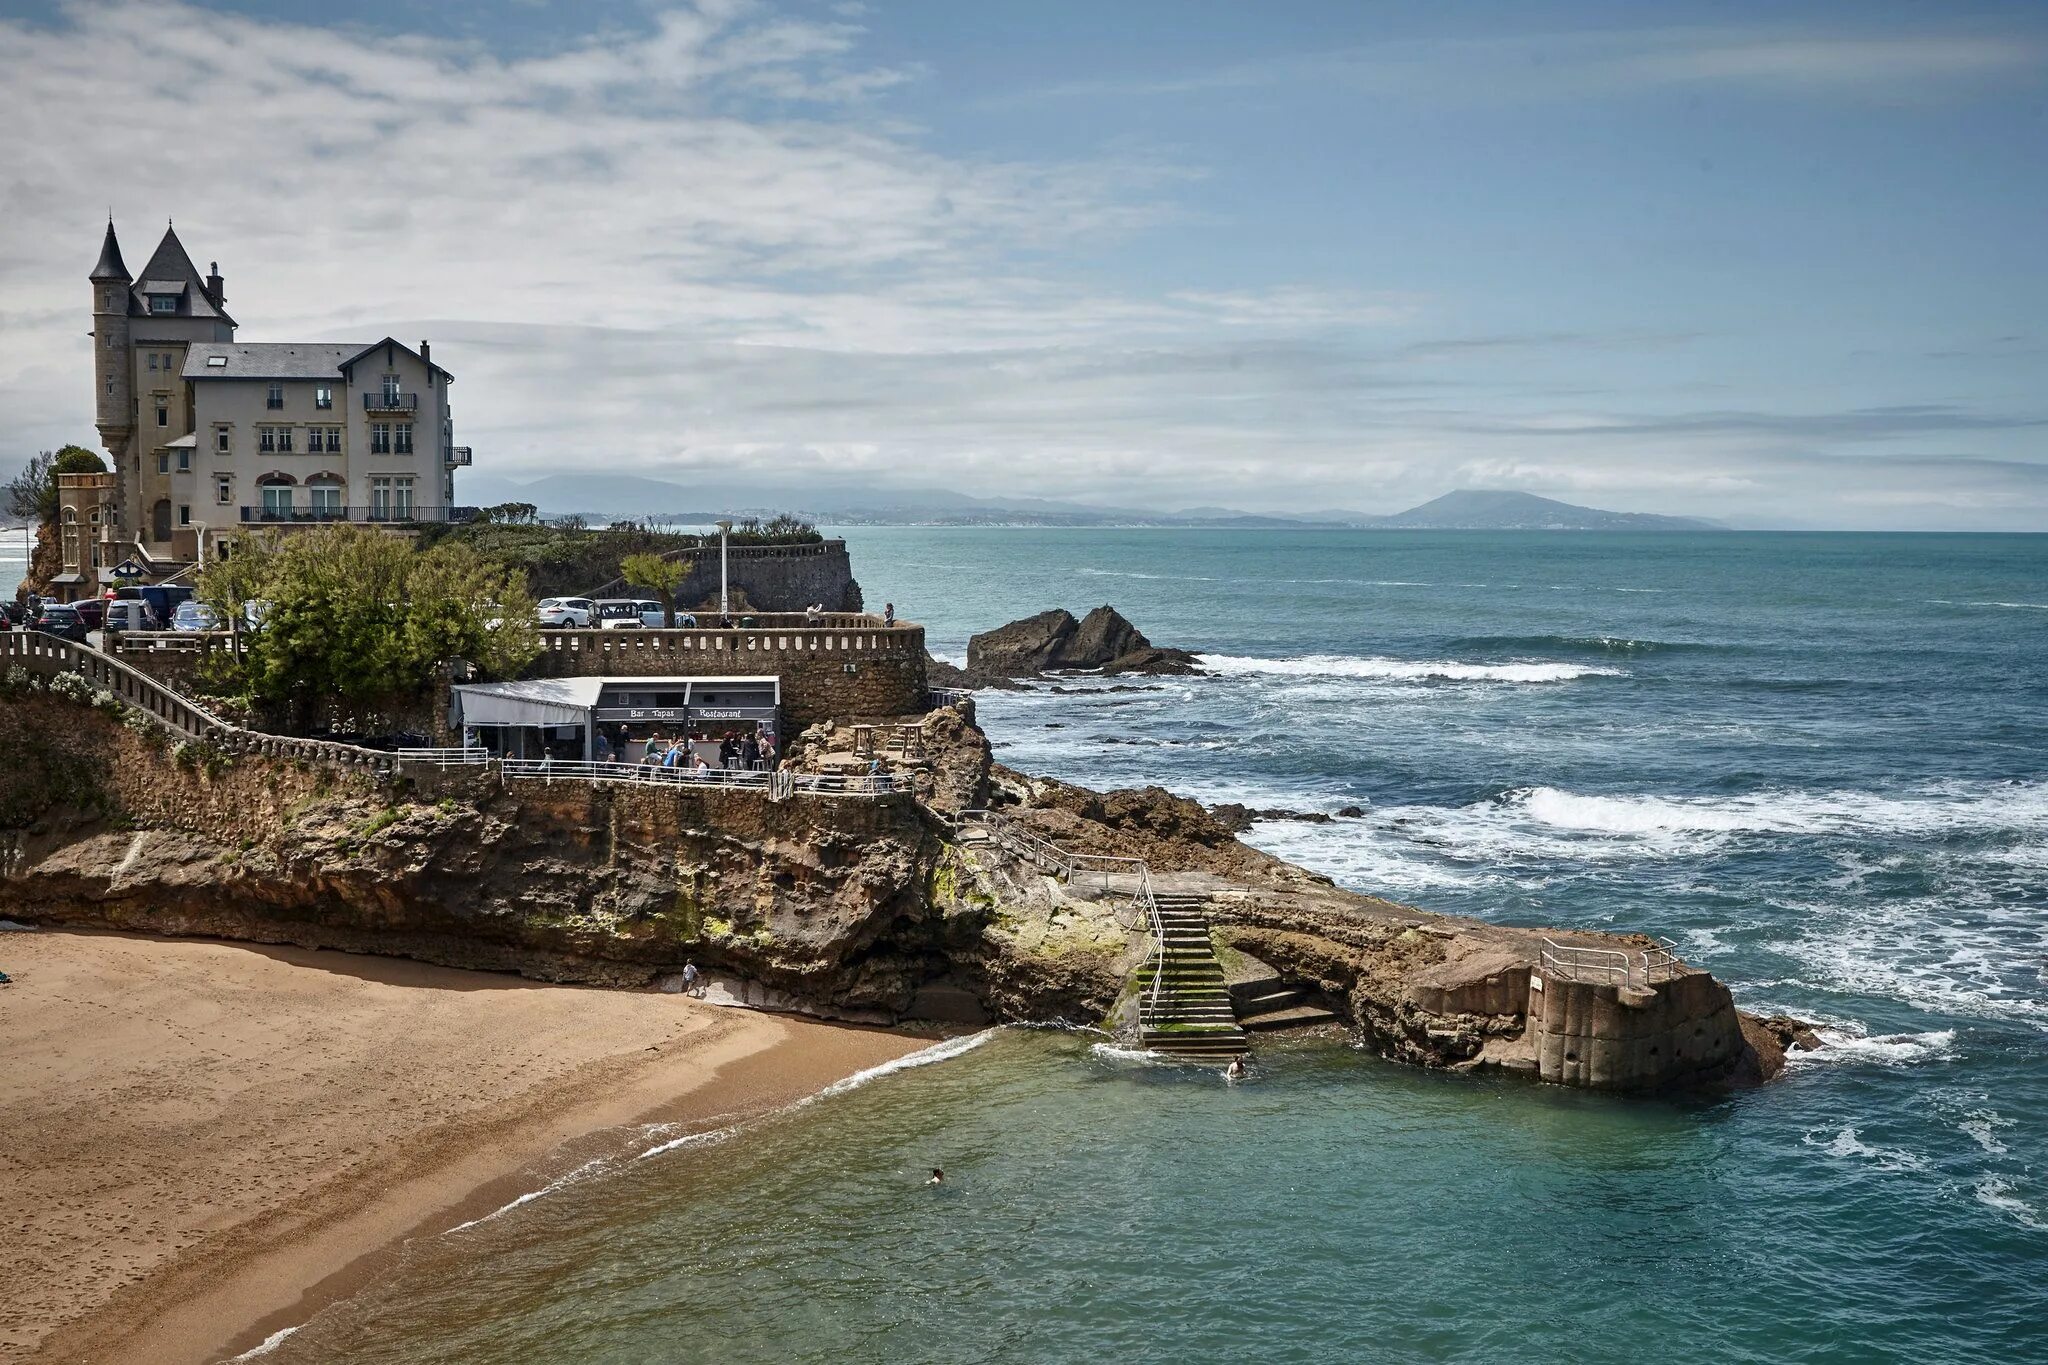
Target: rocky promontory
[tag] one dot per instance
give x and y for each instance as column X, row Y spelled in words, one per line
column 877, row 909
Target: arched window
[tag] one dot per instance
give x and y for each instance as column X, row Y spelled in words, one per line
column 71, row 516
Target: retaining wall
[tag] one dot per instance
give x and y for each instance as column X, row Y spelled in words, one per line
column 1605, row 1037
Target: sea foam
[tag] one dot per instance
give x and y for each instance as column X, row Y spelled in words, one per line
column 1403, row 670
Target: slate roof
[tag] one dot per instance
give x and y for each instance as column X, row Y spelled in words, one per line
column 111, row 266
column 170, row 270
column 269, row 359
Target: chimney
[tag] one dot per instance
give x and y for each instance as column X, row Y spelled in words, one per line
column 216, row 287
column 426, row 353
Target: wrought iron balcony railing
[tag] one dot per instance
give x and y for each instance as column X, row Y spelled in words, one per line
column 391, row 402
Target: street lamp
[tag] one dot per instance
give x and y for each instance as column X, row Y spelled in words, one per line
column 724, row 597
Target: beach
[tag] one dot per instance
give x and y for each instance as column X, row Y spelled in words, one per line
column 203, row 1143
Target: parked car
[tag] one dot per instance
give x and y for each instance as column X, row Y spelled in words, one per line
column 91, row 610
column 163, row 598
column 628, row 613
column 63, row 620
column 129, row 614
column 560, row 613
column 195, row 615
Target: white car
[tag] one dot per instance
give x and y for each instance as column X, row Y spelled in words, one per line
column 628, row 613
column 560, row 613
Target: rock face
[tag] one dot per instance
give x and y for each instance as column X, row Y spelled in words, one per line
column 1053, row 641
column 865, row 909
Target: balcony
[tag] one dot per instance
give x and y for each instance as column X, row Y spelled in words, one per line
column 391, row 402
column 457, row 457
column 387, row 514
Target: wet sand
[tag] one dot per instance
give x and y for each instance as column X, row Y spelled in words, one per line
column 202, row 1143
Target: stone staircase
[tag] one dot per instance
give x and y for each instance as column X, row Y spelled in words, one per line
column 1266, row 1002
column 1190, row 1014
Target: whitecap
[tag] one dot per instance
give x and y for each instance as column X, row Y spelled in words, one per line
column 709, row 1138
column 1997, row 1192
column 1403, row 670
column 1850, row 1044
column 1117, row 1052
column 1847, row 1144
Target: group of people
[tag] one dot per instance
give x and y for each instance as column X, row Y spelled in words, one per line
column 752, row 752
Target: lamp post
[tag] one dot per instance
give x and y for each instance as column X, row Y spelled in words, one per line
column 724, row 597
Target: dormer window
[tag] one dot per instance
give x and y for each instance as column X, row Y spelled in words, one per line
column 323, row 396
column 163, row 303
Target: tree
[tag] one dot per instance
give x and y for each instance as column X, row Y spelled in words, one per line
column 657, row 575
column 363, row 617
column 32, row 494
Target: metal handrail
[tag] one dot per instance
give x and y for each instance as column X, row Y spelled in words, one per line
column 655, row 775
column 1636, row 968
column 444, row 758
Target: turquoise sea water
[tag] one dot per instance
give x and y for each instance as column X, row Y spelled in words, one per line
column 1818, row 763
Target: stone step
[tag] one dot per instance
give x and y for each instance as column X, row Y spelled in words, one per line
column 1263, row 997
column 1295, row 1016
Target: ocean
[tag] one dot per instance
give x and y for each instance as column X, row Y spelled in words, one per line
column 1818, row 763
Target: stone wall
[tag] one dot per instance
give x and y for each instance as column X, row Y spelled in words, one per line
column 765, row 577
column 837, row 673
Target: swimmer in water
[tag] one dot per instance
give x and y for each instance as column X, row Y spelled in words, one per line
column 938, row 1177
column 1236, row 1069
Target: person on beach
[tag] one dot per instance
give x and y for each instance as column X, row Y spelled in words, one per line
column 689, row 978
column 938, row 1177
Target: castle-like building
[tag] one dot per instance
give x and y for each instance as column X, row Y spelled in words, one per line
column 211, row 437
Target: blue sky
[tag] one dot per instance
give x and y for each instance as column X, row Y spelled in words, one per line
column 1779, row 264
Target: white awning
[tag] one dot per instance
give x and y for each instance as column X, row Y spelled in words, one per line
column 189, row 441
column 538, row 701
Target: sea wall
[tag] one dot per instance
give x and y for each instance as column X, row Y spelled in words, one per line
column 766, row 577
column 1605, row 1037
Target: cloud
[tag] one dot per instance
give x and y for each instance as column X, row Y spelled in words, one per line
column 1608, row 63
column 703, row 245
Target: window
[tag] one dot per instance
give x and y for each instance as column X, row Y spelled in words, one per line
column 163, row 303
column 323, row 438
column 277, row 502
column 276, row 397
column 323, row 396
column 324, row 499
column 403, row 432
column 266, row 439
column 110, row 383
column 163, row 415
column 152, row 360
column 184, row 461
column 216, row 362
column 184, row 514
column 390, row 388
column 380, row 438
column 390, row 498
column 284, row 440
column 220, row 439
column 163, row 462
column 223, row 488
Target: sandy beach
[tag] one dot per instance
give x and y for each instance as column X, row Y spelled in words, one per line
column 205, row 1142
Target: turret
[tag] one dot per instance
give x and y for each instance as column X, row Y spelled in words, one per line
column 112, row 369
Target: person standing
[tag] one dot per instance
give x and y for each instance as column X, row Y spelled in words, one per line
column 652, row 753
column 888, row 613
column 689, row 978
column 750, row 753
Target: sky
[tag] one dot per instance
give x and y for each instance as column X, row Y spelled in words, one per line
column 1781, row 264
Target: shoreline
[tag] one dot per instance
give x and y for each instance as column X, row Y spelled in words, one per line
column 476, row 1090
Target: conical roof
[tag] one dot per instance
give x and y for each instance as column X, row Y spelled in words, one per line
column 111, row 266
column 170, row 270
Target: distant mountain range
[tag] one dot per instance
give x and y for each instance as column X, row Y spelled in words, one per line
column 604, row 497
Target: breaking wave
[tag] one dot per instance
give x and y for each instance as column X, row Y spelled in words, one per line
column 1848, row 1144
column 1403, row 670
column 1892, row 1049
column 1581, row 644
column 2000, row 806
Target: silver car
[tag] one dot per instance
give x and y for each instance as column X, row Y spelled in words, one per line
column 628, row 613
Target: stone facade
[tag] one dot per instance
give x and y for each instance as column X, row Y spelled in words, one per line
column 209, row 436
column 88, row 538
column 833, row 673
